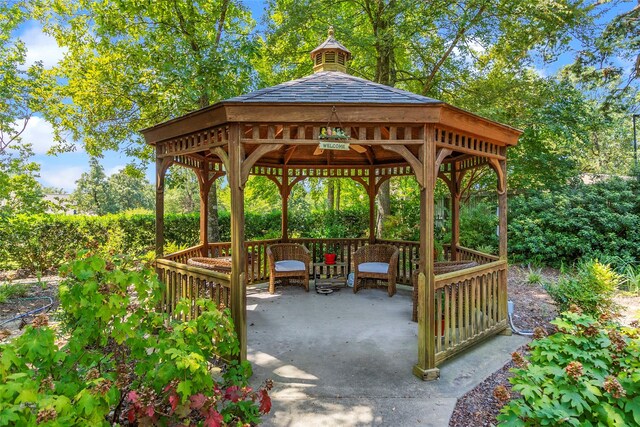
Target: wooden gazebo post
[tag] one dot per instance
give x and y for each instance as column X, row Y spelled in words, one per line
column 238, row 289
column 161, row 169
column 502, row 209
column 426, row 366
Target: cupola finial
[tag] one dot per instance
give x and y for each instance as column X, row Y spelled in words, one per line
column 330, row 55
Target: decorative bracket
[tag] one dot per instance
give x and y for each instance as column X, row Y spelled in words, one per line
column 248, row 163
column 415, row 164
column 497, row 167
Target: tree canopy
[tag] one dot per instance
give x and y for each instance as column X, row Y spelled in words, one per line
column 129, row 65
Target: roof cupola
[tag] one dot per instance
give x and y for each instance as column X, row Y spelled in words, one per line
column 330, row 55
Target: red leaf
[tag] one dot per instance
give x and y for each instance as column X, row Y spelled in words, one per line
column 265, row 402
column 233, row 394
column 174, row 400
column 133, row 396
column 213, row 419
column 131, row 416
column 197, row 401
column 149, row 410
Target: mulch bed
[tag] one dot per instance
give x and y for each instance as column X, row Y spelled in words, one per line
column 48, row 287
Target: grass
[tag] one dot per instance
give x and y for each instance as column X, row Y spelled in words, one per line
column 12, row 290
column 630, row 279
column 534, row 277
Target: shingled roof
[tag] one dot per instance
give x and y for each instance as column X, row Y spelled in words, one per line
column 331, row 87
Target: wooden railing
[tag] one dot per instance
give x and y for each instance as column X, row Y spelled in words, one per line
column 185, row 281
column 257, row 264
column 470, row 305
column 183, row 256
column 473, row 255
column 408, row 253
column 256, row 261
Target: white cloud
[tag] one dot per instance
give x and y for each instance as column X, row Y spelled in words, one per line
column 41, row 47
column 64, row 177
column 38, row 133
column 539, row 71
column 114, row 170
column 476, row 47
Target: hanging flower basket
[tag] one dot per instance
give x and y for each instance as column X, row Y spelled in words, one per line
column 328, row 133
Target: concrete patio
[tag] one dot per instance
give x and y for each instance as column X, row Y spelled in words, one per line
column 345, row 360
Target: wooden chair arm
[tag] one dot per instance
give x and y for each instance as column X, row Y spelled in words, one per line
column 393, row 263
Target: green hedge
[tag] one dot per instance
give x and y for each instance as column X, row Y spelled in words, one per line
column 599, row 221
column 40, row 242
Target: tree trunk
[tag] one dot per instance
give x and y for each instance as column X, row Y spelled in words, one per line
column 338, row 187
column 330, row 195
column 382, row 18
column 384, row 206
column 213, row 226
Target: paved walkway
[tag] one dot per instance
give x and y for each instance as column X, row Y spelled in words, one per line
column 346, row 360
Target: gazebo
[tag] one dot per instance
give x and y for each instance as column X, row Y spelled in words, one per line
column 332, row 124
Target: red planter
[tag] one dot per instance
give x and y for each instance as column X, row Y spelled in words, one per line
column 329, row 259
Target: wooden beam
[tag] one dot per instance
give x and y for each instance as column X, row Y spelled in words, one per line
column 426, row 366
column 482, row 128
column 238, row 288
column 284, row 195
column 316, row 142
column 415, row 164
column 289, row 153
column 319, row 113
column 161, row 169
column 502, row 211
column 248, row 163
column 459, row 149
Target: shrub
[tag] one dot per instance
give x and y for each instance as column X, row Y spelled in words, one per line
column 587, row 374
column 591, row 288
column 40, row 242
column 600, row 220
column 478, row 227
column 116, row 360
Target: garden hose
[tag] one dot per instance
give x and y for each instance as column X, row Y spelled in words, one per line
column 510, row 307
column 31, row 312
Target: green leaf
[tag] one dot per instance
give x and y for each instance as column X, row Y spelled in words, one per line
column 613, row 416
column 27, row 395
column 184, row 389
column 633, row 405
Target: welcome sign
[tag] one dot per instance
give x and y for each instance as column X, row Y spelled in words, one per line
column 333, row 145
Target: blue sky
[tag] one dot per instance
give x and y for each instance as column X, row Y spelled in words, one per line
column 62, row 170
